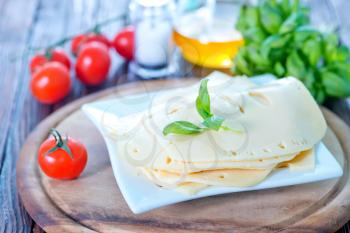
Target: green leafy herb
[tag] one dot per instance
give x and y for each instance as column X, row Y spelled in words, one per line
column 279, row 69
column 304, row 32
column 295, row 65
column 340, row 68
column 312, row 49
column 213, row 122
column 270, row 17
column 203, row 100
column 182, row 127
column 210, row 121
column 335, row 85
column 280, row 40
column 241, row 63
column 254, row 35
column 254, row 55
column 272, row 44
column 291, row 23
column 309, row 79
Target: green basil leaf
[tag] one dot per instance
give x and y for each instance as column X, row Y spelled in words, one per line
column 295, row 5
column 260, row 69
column 303, row 33
column 241, row 24
column 292, row 22
column 254, row 35
column 320, row 96
column 252, row 17
column 279, row 69
column 305, row 15
column 213, row 122
column 271, row 18
column 241, row 65
column 341, row 68
column 182, row 127
column 277, row 54
column 274, row 42
column 255, row 56
column 248, row 18
column 330, row 45
column 312, row 91
column 295, row 65
column 285, row 7
column 331, row 40
column 342, row 54
column 335, row 85
column 309, row 79
column 279, row 41
column 203, row 100
column 312, row 49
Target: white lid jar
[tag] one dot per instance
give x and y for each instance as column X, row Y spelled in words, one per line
column 153, row 23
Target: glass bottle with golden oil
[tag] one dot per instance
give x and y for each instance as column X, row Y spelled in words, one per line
column 205, row 33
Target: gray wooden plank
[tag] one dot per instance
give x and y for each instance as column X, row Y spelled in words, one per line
column 25, row 112
column 55, row 19
column 15, row 27
column 51, row 26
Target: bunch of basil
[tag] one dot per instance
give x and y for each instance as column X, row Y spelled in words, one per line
column 279, row 40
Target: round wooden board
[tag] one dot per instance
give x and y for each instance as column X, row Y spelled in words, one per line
column 94, row 203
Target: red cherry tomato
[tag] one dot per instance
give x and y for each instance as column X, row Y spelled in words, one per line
column 62, row 158
column 93, row 63
column 82, row 39
column 51, row 83
column 123, row 43
column 40, row 59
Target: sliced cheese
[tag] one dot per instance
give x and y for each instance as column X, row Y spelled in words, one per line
column 275, row 120
column 194, row 182
column 190, row 188
column 218, row 83
column 305, row 161
column 225, row 177
column 181, row 166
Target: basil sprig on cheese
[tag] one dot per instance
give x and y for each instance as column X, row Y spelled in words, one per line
column 210, row 121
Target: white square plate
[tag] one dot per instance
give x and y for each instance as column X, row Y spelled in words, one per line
column 142, row 195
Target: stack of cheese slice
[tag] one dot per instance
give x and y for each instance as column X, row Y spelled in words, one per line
column 276, row 125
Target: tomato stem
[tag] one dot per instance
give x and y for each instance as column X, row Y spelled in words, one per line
column 60, row 143
column 97, row 29
column 69, row 38
column 48, row 54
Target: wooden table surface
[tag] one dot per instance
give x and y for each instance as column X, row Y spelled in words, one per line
column 25, row 23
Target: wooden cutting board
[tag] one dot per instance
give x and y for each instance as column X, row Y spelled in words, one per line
column 94, row 203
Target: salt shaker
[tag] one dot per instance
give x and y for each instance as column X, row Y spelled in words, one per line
column 152, row 20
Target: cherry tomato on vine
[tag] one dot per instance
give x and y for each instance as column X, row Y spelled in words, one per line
column 56, row 54
column 62, row 158
column 123, row 43
column 82, row 39
column 50, row 83
column 93, row 63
